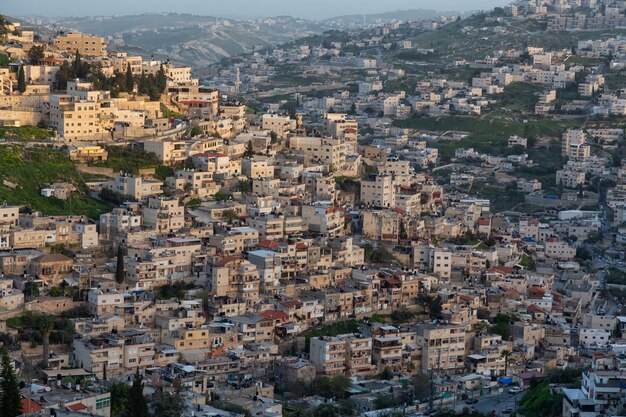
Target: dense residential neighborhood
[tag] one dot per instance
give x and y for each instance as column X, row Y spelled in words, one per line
column 403, row 217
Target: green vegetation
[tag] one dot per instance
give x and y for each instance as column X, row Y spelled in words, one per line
column 539, row 401
column 334, row 329
column 582, row 60
column 378, row 255
column 488, row 133
column 616, row 276
column 119, row 399
column 402, row 315
column 129, row 159
column 10, row 398
column 194, row 202
column 173, row 291
column 462, row 74
column 24, row 171
column 527, row 262
column 502, row 326
column 520, row 96
column 24, row 133
column 168, row 113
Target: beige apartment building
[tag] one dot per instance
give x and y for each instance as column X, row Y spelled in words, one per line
column 76, row 119
column 196, row 100
column 150, row 267
column 342, row 355
column 278, row 124
column 200, row 183
column 339, row 125
column 207, row 338
column 236, row 240
column 169, row 151
column 125, row 351
column 257, row 169
column 136, row 187
column 165, row 215
column 443, row 347
column 86, row 153
column 324, row 220
column 86, row 45
column 381, row 225
column 235, row 277
column 9, row 216
column 570, row 178
column 327, row 151
column 378, row 191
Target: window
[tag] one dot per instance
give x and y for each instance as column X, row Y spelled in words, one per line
column 103, row 403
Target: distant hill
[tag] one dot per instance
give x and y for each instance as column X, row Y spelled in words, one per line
column 204, row 40
column 191, row 39
column 359, row 20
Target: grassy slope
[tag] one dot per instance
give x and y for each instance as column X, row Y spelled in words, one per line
column 31, row 168
column 489, row 132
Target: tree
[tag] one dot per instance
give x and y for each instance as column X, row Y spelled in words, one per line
column 130, row 81
column 31, row 289
column 119, row 399
column 46, row 325
column 506, row 354
column 421, row 383
column 119, row 269
column 230, row 215
column 161, row 79
column 386, row 374
column 168, row 405
column 245, row 186
column 402, row 232
column 502, row 326
column 249, row 153
column 137, row 406
column 10, row 398
column 4, row 30
column 63, row 76
column 196, row 131
column 35, row 54
column 21, row 79
column 332, row 387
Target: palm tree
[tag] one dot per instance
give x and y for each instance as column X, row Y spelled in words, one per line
column 230, row 215
column 46, row 325
column 506, row 354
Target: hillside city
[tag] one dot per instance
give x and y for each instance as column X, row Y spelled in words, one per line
column 405, row 217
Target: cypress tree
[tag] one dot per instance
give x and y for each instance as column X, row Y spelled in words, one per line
column 78, row 64
column 137, row 404
column 249, row 150
column 10, row 398
column 119, row 269
column 161, row 79
column 130, row 81
column 21, row 80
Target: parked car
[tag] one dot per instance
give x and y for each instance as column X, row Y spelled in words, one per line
column 471, row 401
column 514, row 390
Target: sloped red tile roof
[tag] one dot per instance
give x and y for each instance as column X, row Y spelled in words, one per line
column 534, row 308
column 275, row 315
column 268, row 244
column 30, row 406
column 500, row 270
column 536, row 292
column 291, row 303
column 76, row 407
column 226, row 260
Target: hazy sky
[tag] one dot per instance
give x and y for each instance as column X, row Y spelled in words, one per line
column 312, row 9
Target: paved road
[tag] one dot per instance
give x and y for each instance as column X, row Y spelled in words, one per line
column 494, row 402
